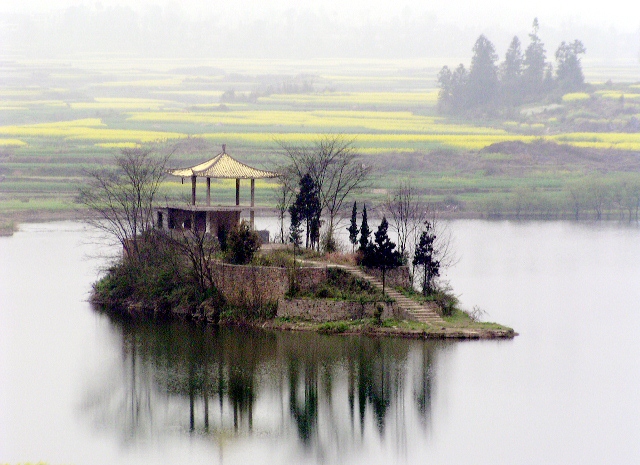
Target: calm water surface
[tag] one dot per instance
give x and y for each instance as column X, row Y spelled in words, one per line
column 77, row 386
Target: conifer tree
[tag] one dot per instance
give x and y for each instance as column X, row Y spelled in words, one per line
column 569, row 69
column 534, row 63
column 383, row 254
column 482, row 85
column 295, row 228
column 425, row 257
column 364, row 231
column 511, row 73
column 307, row 206
column 353, row 227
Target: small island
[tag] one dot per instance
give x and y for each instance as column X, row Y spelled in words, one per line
column 202, row 262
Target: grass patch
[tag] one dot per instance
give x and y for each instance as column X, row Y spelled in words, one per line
column 341, row 285
column 334, row 327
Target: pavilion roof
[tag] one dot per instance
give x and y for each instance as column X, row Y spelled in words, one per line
column 225, row 167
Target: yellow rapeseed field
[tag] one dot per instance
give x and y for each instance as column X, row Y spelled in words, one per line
column 616, row 94
column 12, row 143
column 572, row 97
column 356, row 98
column 172, row 82
column 121, row 104
column 92, row 129
column 118, row 145
column 338, row 121
column 604, row 140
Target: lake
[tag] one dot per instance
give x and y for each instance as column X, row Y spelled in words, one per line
column 78, row 386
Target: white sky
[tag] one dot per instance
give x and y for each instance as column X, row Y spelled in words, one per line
column 623, row 15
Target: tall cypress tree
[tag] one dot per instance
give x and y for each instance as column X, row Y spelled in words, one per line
column 353, row 227
column 383, row 253
column 569, row 69
column 308, row 208
column 425, row 257
column 534, row 63
column 482, row 85
column 511, row 73
column 364, row 231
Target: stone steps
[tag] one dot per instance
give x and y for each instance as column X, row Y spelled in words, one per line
column 421, row 313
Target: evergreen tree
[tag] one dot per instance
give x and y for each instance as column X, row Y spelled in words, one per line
column 364, row 231
column 383, row 253
column 243, row 243
column 445, row 94
column 569, row 68
column 534, row 63
column 452, row 96
column 353, row 227
column 425, row 257
column 307, row 205
column 482, row 84
column 511, row 73
column 314, row 232
column 295, row 227
column 295, row 237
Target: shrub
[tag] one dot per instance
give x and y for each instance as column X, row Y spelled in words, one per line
column 242, row 244
column 446, row 300
column 280, row 257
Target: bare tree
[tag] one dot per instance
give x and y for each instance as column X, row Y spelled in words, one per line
column 598, row 196
column 407, row 215
column 200, row 249
column 335, row 167
column 283, row 197
column 628, row 195
column 121, row 198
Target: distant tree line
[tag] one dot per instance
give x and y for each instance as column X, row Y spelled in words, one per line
column 521, row 77
column 593, row 197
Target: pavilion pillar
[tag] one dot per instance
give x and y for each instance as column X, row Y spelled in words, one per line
column 237, row 191
column 253, row 198
column 208, row 191
column 193, row 189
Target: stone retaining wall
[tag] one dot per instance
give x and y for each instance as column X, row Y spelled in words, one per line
column 396, row 277
column 331, row 310
column 258, row 286
column 244, row 285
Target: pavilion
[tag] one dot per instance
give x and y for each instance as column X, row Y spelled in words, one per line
column 214, row 219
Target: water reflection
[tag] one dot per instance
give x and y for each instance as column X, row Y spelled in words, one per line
column 322, row 392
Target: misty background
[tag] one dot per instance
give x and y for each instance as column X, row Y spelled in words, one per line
column 68, row 31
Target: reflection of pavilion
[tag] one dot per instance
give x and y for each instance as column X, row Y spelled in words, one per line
column 215, row 219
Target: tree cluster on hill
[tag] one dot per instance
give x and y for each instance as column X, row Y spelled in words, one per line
column 521, row 77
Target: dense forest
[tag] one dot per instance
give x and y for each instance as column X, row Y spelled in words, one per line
column 523, row 76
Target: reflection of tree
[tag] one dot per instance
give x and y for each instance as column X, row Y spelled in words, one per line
column 422, row 392
column 175, row 373
column 305, row 415
column 374, row 385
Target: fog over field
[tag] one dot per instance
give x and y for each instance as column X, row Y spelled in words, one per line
column 305, row 29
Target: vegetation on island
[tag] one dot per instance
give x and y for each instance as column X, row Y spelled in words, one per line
column 168, row 273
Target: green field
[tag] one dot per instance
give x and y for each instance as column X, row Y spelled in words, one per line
column 57, row 119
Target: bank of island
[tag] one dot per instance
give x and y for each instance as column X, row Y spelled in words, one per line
column 202, row 262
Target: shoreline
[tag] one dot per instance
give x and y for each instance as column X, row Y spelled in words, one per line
column 406, row 329
column 10, row 222
column 368, row 329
